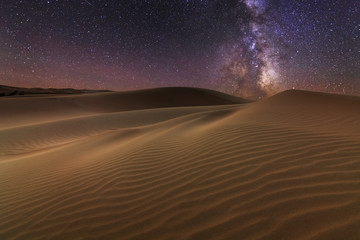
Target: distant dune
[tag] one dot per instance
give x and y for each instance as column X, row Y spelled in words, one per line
column 179, row 163
column 14, row 91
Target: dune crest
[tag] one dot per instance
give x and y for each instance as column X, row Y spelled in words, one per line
column 157, row 164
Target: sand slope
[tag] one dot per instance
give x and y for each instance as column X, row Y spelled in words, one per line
column 287, row 167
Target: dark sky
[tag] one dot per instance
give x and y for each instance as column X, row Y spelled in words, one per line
column 250, row 48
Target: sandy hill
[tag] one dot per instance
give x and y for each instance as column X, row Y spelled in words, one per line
column 287, row 167
column 20, row 110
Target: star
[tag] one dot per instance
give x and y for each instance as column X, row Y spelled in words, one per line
column 248, row 48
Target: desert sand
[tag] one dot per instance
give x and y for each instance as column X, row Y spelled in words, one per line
column 179, row 163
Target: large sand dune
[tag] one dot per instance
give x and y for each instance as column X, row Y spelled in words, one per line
column 179, row 164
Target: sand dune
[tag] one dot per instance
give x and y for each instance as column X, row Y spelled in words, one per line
column 16, row 91
column 159, row 164
column 29, row 109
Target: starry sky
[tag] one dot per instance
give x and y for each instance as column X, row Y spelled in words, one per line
column 248, row 48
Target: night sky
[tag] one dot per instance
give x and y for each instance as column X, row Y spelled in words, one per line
column 251, row 48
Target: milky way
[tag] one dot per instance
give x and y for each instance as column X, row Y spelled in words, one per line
column 250, row 48
column 250, row 63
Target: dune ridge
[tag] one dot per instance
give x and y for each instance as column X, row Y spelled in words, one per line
column 287, row 167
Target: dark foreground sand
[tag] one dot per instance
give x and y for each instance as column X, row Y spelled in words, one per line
column 179, row 164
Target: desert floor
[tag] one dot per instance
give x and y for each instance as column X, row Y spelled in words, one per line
column 179, row 164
